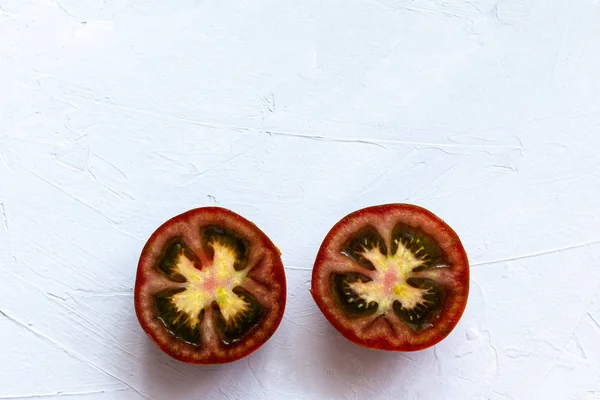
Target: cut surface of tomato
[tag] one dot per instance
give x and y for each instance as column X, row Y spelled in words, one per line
column 210, row 287
column 392, row 277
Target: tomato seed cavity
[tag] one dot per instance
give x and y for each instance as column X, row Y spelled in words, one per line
column 182, row 309
column 391, row 285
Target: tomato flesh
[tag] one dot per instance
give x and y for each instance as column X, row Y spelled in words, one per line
column 393, row 277
column 210, row 287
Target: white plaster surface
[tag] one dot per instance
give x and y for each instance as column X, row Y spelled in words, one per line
column 118, row 114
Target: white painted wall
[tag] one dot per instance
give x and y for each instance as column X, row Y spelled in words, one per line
column 116, row 115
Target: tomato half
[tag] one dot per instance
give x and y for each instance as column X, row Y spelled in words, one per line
column 210, row 287
column 392, row 277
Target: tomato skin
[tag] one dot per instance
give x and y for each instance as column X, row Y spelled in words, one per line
column 274, row 275
column 435, row 227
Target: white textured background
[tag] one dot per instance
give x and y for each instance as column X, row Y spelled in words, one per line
column 116, row 115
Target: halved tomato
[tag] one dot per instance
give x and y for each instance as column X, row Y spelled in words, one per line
column 210, row 287
column 392, row 277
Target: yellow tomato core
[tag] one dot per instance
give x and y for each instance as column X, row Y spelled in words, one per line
column 214, row 282
column 390, row 283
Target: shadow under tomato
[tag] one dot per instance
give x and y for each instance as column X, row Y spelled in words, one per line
column 167, row 378
column 353, row 370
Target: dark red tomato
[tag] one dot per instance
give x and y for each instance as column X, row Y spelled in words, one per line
column 210, row 287
column 392, row 277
